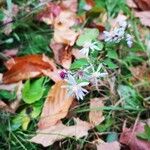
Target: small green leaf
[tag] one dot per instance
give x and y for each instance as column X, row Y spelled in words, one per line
column 6, row 95
column 1, row 15
column 112, row 54
column 87, row 36
column 105, row 126
column 33, row 92
column 129, row 96
column 78, row 64
column 110, row 64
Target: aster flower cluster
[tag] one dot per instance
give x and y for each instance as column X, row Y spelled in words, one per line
column 82, row 78
column 118, row 34
column 93, row 72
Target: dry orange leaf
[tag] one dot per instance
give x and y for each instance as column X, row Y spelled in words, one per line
column 35, row 59
column 96, row 116
column 56, row 106
column 25, row 67
column 60, row 131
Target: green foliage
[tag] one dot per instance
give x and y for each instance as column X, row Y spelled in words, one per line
column 34, row 91
column 87, row 36
column 79, row 64
column 129, row 96
column 146, row 134
column 105, row 126
column 113, row 7
column 110, row 64
column 1, row 15
column 112, row 54
column 26, row 115
column 6, row 95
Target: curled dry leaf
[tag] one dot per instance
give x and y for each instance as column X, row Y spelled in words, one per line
column 109, row 146
column 60, row 131
column 62, row 54
column 129, row 137
column 56, row 106
column 96, row 116
column 25, row 67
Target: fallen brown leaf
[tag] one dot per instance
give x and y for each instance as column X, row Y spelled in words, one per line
column 129, row 137
column 62, row 28
column 56, row 106
column 96, row 116
column 25, row 67
column 60, row 131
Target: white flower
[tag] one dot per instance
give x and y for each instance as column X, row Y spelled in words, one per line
column 97, row 74
column 87, row 47
column 94, row 75
column 123, row 24
column 129, row 40
column 75, row 88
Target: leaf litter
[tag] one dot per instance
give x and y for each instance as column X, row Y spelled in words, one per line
column 95, row 51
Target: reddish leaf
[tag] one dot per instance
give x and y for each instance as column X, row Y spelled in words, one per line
column 35, row 59
column 25, row 67
column 143, row 4
column 56, row 106
column 128, row 137
column 51, row 11
column 10, row 52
